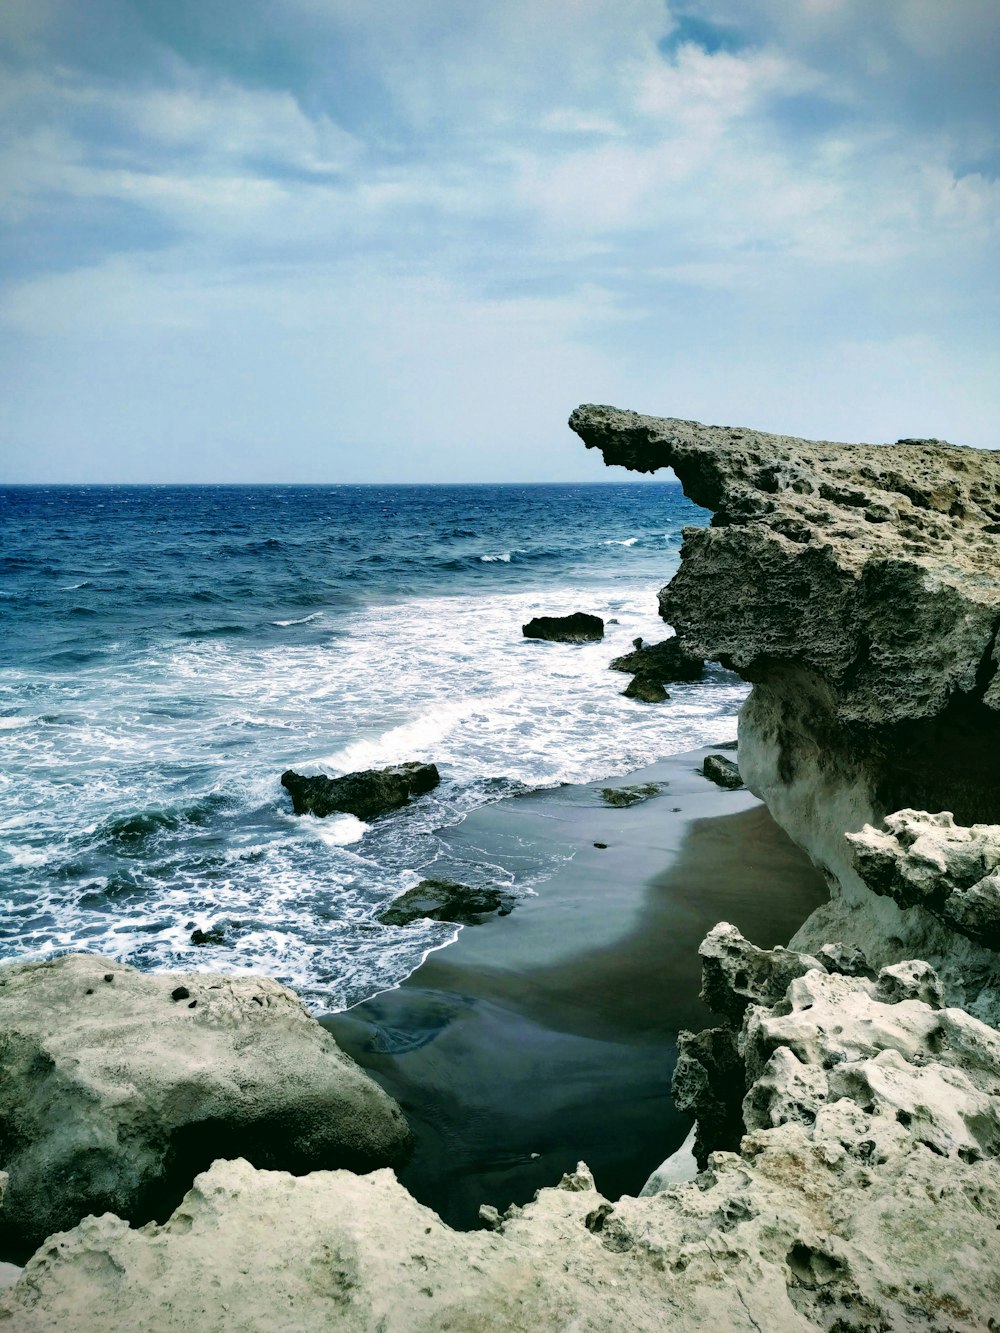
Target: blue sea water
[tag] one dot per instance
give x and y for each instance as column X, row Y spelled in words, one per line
column 166, row 652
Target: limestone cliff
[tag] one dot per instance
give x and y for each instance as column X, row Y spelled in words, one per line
column 856, row 587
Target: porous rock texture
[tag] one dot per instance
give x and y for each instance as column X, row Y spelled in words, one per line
column 117, row 1087
column 856, row 588
column 866, row 1196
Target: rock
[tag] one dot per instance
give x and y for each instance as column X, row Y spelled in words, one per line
column 576, row 628
column 625, row 796
column 911, row 980
column 367, row 794
column 116, row 1087
column 647, row 691
column 929, row 861
column 866, row 1194
column 444, row 900
column 846, row 960
column 722, row 771
column 736, row 973
column 854, row 587
column 709, row 1083
column 663, row 662
column 221, row 933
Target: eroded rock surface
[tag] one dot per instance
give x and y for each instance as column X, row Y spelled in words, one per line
column 928, row 861
column 116, row 1087
column 856, row 588
column 866, row 1196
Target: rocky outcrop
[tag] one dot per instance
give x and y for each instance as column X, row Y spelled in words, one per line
column 866, row 1195
column 928, row 861
column 855, row 587
column 116, row 1087
column 580, row 627
column 372, row 792
column 645, row 690
column 664, row 662
column 446, row 900
column 633, row 795
column 722, row 771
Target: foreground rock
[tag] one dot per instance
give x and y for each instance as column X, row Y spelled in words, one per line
column 577, row 628
column 855, row 587
column 625, row 796
column 116, row 1087
column 866, row 1195
column 372, row 792
column 445, row 900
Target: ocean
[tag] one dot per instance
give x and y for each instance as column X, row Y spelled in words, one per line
column 166, row 652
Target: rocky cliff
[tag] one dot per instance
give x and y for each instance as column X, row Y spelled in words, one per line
column 857, row 588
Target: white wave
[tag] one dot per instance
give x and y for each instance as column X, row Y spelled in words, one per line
column 75, row 587
column 614, row 541
column 304, row 620
column 410, row 740
column 503, row 558
column 342, row 831
column 13, row 723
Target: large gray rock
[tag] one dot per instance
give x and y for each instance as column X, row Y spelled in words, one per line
column 663, row 662
column 366, row 794
column 855, row 587
column 866, row 1196
column 117, row 1087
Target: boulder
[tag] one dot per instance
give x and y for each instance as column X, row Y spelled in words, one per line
column 445, row 900
column 372, row 792
column 722, row 771
column 736, row 973
column 116, row 1087
column 663, row 662
column 625, row 796
column 576, row 628
column 645, row 690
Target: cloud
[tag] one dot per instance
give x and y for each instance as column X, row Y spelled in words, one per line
column 555, row 188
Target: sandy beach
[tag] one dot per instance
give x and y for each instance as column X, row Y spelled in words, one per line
column 549, row 1036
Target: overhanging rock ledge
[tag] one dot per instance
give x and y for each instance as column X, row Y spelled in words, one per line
column 856, row 587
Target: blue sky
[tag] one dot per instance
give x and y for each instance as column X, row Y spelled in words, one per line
column 330, row 240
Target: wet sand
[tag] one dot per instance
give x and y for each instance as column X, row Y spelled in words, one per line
column 549, row 1036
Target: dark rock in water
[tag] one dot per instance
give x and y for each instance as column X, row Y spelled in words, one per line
column 220, row 933
column 577, row 628
column 367, row 794
column 648, row 691
column 623, row 796
column 663, row 662
column 637, row 643
column 445, row 900
column 722, row 771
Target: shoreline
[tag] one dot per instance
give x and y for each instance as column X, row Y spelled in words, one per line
column 549, row 1035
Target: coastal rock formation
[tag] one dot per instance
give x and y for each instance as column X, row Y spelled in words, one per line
column 372, row 792
column 633, row 795
column 722, row 771
column 645, row 690
column 580, row 627
column 929, row 861
column 664, row 662
column 855, row 587
column 116, row 1087
column 445, row 900
column 866, row 1196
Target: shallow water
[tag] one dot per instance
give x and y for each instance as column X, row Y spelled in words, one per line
column 165, row 652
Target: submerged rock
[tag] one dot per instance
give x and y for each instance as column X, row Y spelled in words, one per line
column 663, row 662
column 445, row 900
column 580, row 627
column 372, row 792
column 116, row 1087
column 646, row 691
column 624, row 796
column 722, row 771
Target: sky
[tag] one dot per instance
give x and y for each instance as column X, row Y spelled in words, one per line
column 399, row 240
